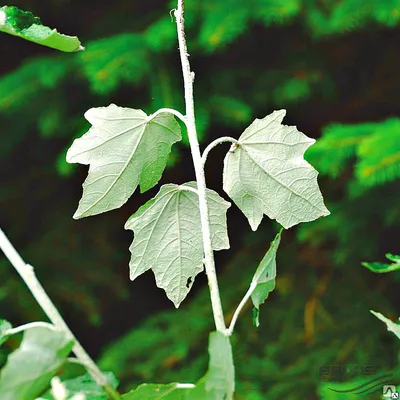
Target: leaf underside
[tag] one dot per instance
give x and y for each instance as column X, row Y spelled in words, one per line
column 219, row 381
column 30, row 368
column 26, row 26
column 265, row 173
column 168, row 238
column 124, row 149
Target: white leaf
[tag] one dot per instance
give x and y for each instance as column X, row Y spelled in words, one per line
column 168, row 237
column 265, row 173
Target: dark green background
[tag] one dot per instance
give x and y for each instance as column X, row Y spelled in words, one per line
column 323, row 61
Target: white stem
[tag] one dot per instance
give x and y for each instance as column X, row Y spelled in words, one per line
column 188, row 78
column 30, row 325
column 215, row 143
column 188, row 189
column 185, row 386
column 27, row 273
column 170, row 111
column 239, row 308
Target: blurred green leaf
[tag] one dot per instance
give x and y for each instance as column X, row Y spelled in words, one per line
column 25, row 25
column 383, row 268
column 4, row 327
column 85, row 385
column 149, row 391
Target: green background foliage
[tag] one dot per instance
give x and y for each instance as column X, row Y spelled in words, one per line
column 333, row 65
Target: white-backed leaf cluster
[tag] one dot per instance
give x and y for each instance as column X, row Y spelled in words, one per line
column 265, row 173
column 124, row 148
column 168, row 237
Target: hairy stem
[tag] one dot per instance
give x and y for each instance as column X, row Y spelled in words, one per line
column 170, row 111
column 215, row 143
column 30, row 325
column 27, row 274
column 188, row 78
column 239, row 308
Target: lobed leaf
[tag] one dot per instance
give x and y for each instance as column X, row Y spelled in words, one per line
column 264, row 277
column 30, row 368
column 25, row 25
column 168, row 238
column 265, row 173
column 124, row 148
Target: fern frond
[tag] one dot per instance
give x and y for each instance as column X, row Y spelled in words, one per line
column 379, row 155
column 34, row 76
column 223, row 21
column 338, row 144
column 348, row 15
column 276, row 11
column 229, row 111
column 108, row 62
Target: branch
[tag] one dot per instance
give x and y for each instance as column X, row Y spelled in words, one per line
column 27, row 273
column 188, row 78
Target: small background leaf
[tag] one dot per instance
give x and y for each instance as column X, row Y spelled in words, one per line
column 25, row 25
column 383, row 268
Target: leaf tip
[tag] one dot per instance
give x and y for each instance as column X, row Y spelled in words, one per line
column 77, row 215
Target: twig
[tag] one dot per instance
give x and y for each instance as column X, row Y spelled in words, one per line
column 188, row 78
column 27, row 274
